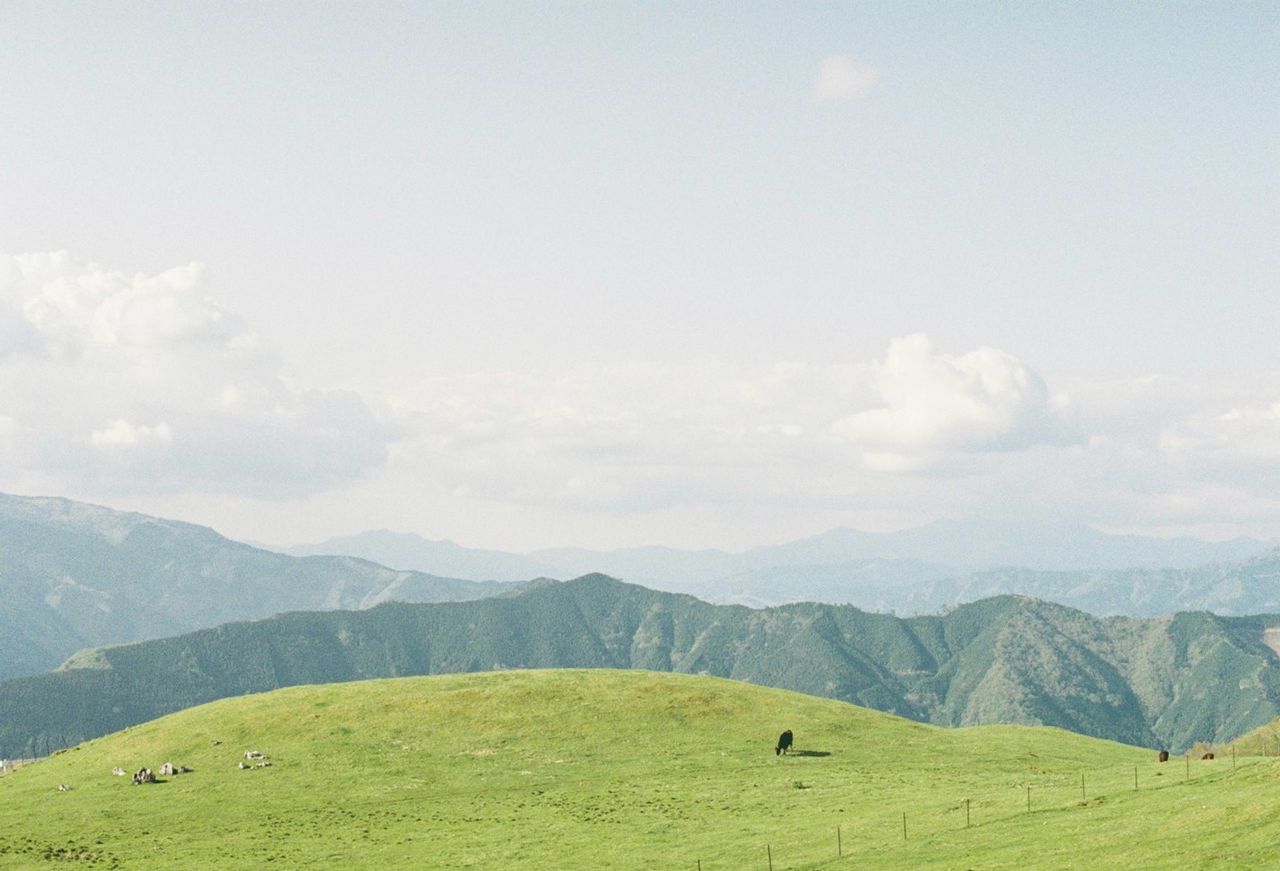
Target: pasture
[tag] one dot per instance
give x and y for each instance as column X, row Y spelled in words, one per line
column 609, row 769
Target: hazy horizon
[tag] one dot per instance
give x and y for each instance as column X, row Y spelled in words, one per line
column 972, row 520
column 610, row 276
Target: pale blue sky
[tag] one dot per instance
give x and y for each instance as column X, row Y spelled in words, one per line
column 404, row 200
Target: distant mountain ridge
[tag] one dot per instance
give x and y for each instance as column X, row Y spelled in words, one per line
column 75, row 575
column 915, row 571
column 1169, row 681
column 961, row 545
column 1229, row 589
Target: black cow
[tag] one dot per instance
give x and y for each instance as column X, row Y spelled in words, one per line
column 784, row 743
column 1164, row 755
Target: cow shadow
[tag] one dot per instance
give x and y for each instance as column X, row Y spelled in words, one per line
column 809, row 753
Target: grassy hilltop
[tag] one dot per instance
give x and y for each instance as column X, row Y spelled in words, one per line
column 613, row 769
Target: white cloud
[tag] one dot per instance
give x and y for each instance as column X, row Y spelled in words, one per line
column 936, row 404
column 141, row 383
column 644, row 437
column 142, row 387
column 1241, row 434
column 840, row 79
column 122, row 434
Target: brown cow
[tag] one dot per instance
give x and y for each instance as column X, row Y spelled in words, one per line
column 1164, row 755
column 1207, row 756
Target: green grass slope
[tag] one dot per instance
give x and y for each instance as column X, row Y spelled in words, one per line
column 1262, row 741
column 614, row 769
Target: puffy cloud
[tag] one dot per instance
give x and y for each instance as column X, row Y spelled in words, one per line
column 936, row 404
column 1244, row 434
column 1169, row 455
column 643, row 437
column 1237, row 449
column 142, row 383
column 840, row 79
column 122, row 434
column 72, row 308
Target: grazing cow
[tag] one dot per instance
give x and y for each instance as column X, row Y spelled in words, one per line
column 1207, row 756
column 118, row 771
column 1164, row 755
column 252, row 754
column 62, row 787
column 144, row 775
column 784, row 743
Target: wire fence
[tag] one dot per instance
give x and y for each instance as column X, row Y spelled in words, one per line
column 983, row 806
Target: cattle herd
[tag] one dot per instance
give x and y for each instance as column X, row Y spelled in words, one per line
column 256, row 760
column 1164, row 755
column 786, row 739
column 168, row 769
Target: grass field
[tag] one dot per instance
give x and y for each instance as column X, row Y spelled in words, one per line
column 606, row 769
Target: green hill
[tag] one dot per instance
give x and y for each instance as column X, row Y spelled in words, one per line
column 609, row 769
column 76, row 575
column 1262, row 741
column 1160, row 682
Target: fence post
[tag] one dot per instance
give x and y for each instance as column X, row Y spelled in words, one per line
column 966, row 813
column 1135, row 778
column 904, row 825
column 769, row 852
column 1028, row 798
column 839, row 846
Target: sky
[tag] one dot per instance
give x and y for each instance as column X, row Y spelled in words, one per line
column 610, row 274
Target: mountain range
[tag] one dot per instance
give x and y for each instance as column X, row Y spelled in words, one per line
column 915, row 571
column 74, row 575
column 1164, row 682
column 954, row 546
